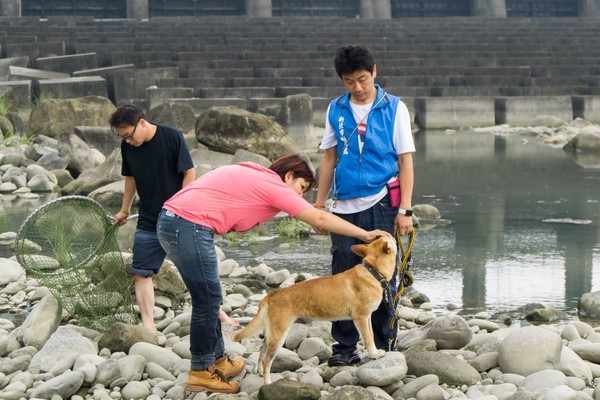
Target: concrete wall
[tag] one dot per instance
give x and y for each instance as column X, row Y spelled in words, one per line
column 369, row 9
column 589, row 8
column 10, row 8
column 137, row 9
column 259, row 8
column 488, row 8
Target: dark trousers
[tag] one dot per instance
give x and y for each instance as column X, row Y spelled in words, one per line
column 380, row 216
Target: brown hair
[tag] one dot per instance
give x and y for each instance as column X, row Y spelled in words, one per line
column 296, row 164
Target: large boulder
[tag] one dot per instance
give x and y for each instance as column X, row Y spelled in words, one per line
column 227, row 129
column 588, row 140
column 528, row 350
column 109, row 171
column 79, row 155
column 585, row 147
column 175, row 114
column 588, row 305
column 52, row 117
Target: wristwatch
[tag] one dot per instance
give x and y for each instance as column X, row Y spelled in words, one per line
column 402, row 211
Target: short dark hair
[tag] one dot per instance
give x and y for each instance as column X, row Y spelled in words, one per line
column 350, row 59
column 294, row 163
column 127, row 114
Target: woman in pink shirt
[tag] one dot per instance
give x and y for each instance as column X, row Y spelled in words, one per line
column 233, row 198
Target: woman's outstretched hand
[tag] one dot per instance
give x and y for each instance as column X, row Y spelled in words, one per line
column 372, row 235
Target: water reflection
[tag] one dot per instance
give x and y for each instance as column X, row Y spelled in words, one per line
column 497, row 191
column 518, row 233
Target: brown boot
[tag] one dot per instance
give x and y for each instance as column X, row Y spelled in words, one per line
column 210, row 379
column 229, row 367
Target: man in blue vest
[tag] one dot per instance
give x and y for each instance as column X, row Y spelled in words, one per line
column 368, row 147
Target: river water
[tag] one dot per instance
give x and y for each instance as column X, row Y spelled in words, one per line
column 522, row 225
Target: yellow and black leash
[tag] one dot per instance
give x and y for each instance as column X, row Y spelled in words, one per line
column 405, row 280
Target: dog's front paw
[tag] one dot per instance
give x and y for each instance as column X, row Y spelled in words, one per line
column 377, row 354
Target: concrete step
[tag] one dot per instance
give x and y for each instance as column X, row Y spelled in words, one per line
column 237, row 92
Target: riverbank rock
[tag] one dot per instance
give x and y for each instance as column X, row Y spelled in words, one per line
column 227, row 129
column 528, row 350
column 584, row 142
column 589, row 305
column 53, row 117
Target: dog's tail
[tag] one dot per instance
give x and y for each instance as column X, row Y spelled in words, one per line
column 255, row 325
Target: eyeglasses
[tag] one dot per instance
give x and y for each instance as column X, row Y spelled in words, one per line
column 130, row 136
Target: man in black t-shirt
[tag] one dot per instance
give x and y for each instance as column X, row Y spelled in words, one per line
column 156, row 165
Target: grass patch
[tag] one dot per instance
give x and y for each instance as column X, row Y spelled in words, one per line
column 293, row 228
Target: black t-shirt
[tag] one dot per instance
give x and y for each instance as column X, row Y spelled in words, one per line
column 157, row 167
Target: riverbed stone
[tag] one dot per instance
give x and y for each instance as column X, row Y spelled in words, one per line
column 485, row 361
column 314, row 347
column 587, row 351
column 80, row 156
column 276, row 278
column 63, row 385
column 450, row 370
column 41, row 183
column 410, row 389
column 41, row 323
column 528, row 350
column 572, row 365
column 153, row 353
column 296, row 335
column 131, row 367
column 548, row 378
column 121, row 336
column 11, row 271
column 7, row 187
column 52, row 161
column 60, row 348
column 589, row 305
column 289, row 389
column 384, row 371
column 450, row 332
column 136, row 390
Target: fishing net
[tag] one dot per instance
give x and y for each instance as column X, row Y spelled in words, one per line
column 69, row 244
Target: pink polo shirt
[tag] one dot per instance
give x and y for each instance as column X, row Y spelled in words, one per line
column 236, row 198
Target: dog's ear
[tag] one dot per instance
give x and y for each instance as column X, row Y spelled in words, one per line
column 360, row 250
column 387, row 248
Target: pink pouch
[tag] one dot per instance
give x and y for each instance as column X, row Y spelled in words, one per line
column 394, row 191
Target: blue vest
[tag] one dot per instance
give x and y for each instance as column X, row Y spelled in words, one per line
column 363, row 175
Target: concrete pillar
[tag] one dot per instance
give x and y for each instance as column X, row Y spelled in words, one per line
column 259, row 8
column 589, row 8
column 488, row 8
column 382, row 9
column 10, row 8
column 137, row 9
column 375, row 9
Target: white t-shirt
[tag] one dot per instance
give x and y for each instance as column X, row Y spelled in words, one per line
column 403, row 143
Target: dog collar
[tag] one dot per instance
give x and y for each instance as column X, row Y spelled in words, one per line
column 382, row 281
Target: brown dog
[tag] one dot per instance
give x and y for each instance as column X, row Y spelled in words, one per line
column 353, row 294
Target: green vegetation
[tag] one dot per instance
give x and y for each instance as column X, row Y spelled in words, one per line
column 293, row 228
column 4, row 106
column 250, row 236
column 59, row 93
column 3, row 220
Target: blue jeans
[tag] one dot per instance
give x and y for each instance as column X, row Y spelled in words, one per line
column 148, row 254
column 191, row 247
column 380, row 216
